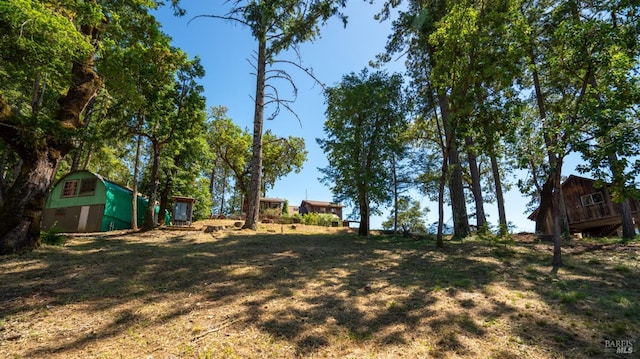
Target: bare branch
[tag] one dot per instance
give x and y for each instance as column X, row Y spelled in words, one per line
column 227, row 18
column 306, row 70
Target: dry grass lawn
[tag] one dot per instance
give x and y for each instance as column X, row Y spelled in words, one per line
column 314, row 293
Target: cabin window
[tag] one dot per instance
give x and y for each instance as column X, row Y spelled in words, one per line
column 69, row 188
column 88, row 187
column 591, row 199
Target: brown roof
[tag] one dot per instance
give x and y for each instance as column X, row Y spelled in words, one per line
column 183, row 199
column 271, row 200
column 321, row 203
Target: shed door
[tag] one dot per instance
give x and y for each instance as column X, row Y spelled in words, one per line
column 180, row 211
column 82, row 221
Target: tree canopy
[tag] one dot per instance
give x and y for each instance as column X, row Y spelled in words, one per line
column 366, row 116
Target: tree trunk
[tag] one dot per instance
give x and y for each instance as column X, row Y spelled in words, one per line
column 212, row 183
column 626, row 216
column 497, row 180
column 456, row 188
column 628, row 228
column 164, row 198
column 134, row 200
column 223, row 191
column 564, row 220
column 363, row 202
column 476, row 187
column 149, row 217
column 544, row 218
column 22, row 209
column 557, row 216
column 75, row 163
column 87, row 158
column 4, row 161
column 395, row 195
column 443, row 182
column 253, row 203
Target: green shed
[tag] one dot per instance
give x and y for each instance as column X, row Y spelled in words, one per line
column 83, row 201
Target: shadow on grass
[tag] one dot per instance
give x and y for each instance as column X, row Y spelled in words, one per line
column 311, row 289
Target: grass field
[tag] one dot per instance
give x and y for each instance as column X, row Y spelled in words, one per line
column 315, row 293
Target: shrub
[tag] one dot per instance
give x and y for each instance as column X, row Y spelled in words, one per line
column 272, row 213
column 310, row 219
column 320, row 219
column 52, row 236
column 327, row 220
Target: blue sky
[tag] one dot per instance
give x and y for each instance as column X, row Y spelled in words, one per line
column 226, row 48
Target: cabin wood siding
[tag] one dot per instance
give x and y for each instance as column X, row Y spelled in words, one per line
column 590, row 209
column 575, row 189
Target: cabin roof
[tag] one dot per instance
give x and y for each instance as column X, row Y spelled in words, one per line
column 271, row 200
column 321, row 204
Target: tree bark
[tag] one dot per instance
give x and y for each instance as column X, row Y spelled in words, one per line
column 223, row 192
column 363, row 202
column 456, row 188
column 628, row 228
column 395, row 195
column 164, row 199
column 134, row 200
column 212, row 182
column 4, row 161
column 149, row 217
column 556, row 176
column 497, row 180
column 22, row 209
column 476, row 188
column 544, row 218
column 253, row 202
column 443, row 182
column 75, row 163
column 626, row 216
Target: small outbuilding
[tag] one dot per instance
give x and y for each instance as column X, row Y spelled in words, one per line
column 182, row 210
column 83, row 201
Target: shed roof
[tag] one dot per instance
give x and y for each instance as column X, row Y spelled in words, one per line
column 183, row 199
column 103, row 179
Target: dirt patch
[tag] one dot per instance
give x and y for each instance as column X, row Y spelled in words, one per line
column 315, row 292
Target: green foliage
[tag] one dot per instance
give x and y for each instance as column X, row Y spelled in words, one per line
column 319, row 219
column 271, row 213
column 366, row 115
column 202, row 207
column 232, row 147
column 411, row 218
column 281, row 156
column 52, row 236
column 43, row 39
column 310, row 219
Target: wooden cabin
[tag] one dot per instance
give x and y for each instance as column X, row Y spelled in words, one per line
column 590, row 210
column 83, row 201
column 271, row 203
column 308, row 206
column 265, row 204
